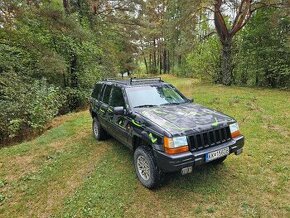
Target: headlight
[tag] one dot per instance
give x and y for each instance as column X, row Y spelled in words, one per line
column 175, row 145
column 235, row 131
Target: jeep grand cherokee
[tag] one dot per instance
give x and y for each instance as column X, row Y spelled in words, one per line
column 166, row 131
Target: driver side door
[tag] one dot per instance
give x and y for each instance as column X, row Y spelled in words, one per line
column 118, row 123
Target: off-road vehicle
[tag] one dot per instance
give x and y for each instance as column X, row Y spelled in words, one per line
column 166, row 131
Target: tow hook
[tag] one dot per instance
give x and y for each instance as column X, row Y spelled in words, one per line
column 239, row 151
column 186, row 170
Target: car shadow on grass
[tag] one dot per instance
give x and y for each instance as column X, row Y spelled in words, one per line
column 207, row 175
column 207, row 178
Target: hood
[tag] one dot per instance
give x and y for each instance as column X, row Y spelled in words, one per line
column 185, row 118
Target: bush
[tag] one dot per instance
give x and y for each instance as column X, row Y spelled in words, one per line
column 26, row 106
column 203, row 61
column 75, row 99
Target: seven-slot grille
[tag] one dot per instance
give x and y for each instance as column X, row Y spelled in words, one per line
column 210, row 138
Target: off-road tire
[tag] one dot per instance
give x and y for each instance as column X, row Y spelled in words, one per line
column 98, row 131
column 218, row 161
column 154, row 178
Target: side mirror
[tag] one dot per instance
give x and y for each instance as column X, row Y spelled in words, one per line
column 119, row 110
column 191, row 100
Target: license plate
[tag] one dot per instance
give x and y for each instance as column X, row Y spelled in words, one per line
column 217, row 154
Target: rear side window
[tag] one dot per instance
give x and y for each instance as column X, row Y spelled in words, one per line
column 107, row 93
column 96, row 91
column 117, row 98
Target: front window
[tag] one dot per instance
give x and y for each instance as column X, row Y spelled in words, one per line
column 150, row 96
column 117, row 98
column 107, row 93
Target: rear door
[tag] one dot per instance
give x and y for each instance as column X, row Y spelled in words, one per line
column 104, row 105
column 95, row 103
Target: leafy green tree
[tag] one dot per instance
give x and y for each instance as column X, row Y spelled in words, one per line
column 263, row 58
column 229, row 18
column 70, row 44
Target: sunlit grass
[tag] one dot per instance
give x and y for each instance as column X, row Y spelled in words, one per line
column 66, row 173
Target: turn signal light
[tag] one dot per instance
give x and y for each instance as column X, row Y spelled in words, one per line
column 236, row 134
column 176, row 150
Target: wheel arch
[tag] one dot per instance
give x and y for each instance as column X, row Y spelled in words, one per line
column 139, row 140
column 94, row 114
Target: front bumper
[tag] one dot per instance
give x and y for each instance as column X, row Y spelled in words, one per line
column 172, row 163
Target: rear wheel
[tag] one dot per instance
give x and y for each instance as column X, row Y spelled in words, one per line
column 146, row 168
column 98, row 131
column 218, row 161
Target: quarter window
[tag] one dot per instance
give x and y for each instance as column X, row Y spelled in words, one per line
column 97, row 90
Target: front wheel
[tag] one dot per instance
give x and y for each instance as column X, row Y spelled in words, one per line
column 146, row 169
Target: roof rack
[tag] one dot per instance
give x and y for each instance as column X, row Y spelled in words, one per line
column 145, row 80
column 116, row 80
column 135, row 81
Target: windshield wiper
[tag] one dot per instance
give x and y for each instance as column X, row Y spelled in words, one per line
column 145, row 105
column 173, row 103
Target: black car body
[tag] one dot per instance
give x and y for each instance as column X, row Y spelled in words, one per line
column 175, row 135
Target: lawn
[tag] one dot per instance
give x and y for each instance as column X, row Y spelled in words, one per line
column 66, row 173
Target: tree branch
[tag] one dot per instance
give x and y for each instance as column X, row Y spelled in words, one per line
column 220, row 23
column 260, row 5
column 243, row 18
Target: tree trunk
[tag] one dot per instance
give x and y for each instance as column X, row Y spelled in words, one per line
column 160, row 61
column 146, row 65
column 73, row 72
column 226, row 75
column 164, row 61
column 168, row 62
column 66, row 6
column 257, row 79
column 150, row 63
column 154, row 57
column 74, row 101
column 179, row 60
column 226, row 34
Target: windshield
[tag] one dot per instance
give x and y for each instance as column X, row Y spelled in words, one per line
column 150, row 96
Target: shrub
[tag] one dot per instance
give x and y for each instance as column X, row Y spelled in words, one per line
column 45, row 101
column 203, row 61
column 26, row 105
column 75, row 99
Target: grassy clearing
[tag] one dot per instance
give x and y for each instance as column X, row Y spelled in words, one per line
column 66, row 173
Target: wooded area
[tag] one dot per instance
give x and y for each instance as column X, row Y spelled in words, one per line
column 53, row 51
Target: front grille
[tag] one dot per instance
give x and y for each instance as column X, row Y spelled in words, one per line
column 210, row 138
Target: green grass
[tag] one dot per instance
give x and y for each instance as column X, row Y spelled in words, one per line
column 66, row 173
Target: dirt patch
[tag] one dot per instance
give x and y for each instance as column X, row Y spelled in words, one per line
column 279, row 129
column 21, row 165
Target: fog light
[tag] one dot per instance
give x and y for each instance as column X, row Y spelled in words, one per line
column 186, row 170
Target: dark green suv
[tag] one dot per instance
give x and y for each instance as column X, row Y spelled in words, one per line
column 166, row 131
